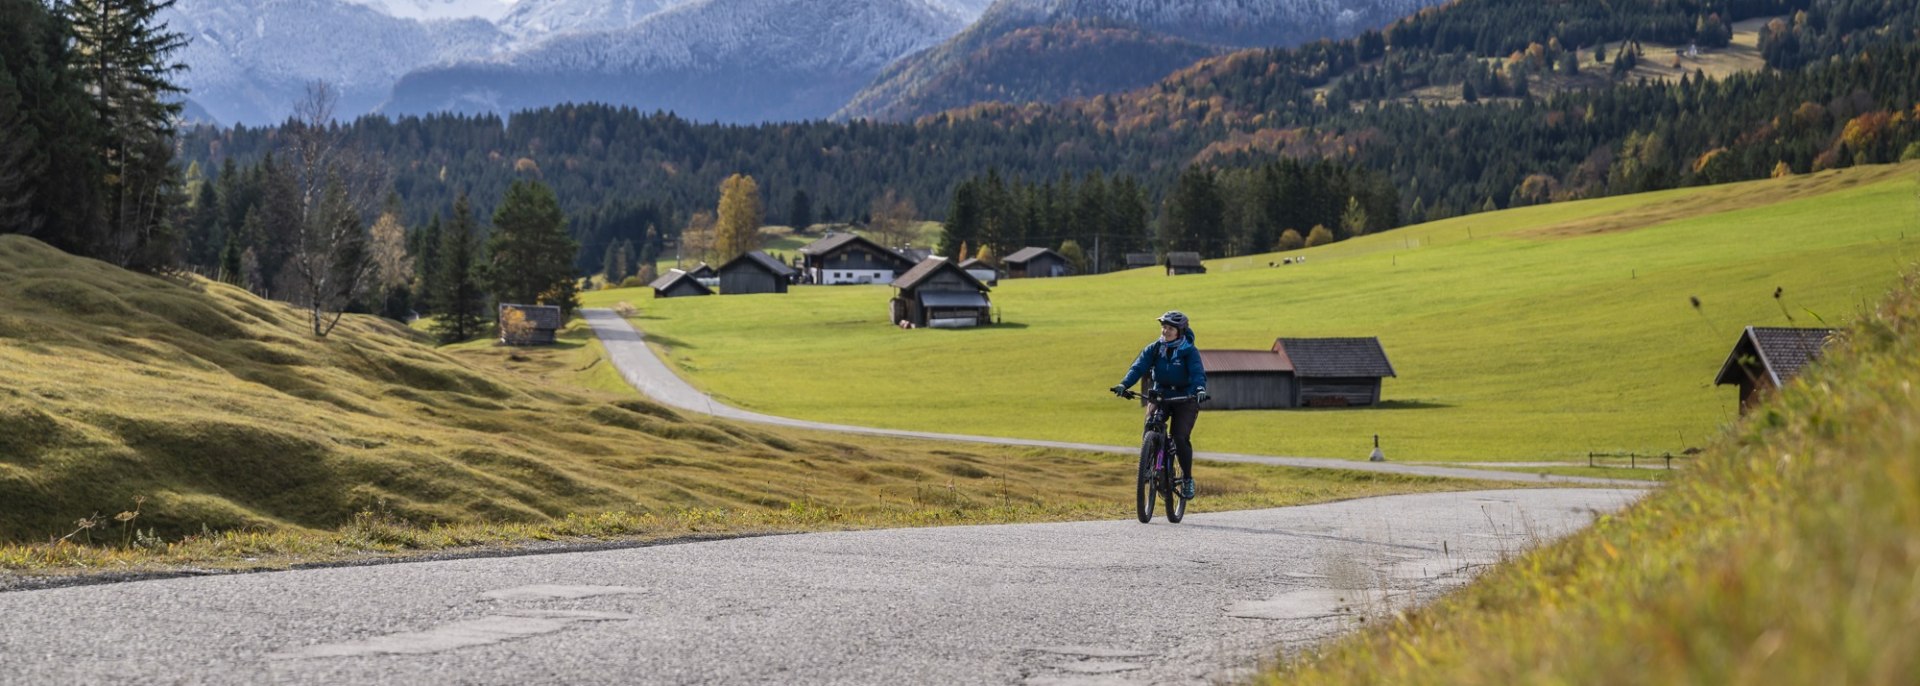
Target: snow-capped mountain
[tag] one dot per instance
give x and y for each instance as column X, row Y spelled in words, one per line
column 926, row 81
column 249, row 60
column 724, row 60
column 490, row 10
column 540, row 18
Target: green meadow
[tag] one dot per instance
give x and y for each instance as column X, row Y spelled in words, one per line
column 1533, row 334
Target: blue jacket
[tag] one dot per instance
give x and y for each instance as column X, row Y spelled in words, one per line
column 1175, row 366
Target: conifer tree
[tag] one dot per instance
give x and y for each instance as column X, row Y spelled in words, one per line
column 800, row 211
column 123, row 60
column 458, row 299
column 530, row 256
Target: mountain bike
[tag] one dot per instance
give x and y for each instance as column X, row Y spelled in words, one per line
column 1156, row 461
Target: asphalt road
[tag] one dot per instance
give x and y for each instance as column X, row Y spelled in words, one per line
column 1112, row 602
column 627, row 350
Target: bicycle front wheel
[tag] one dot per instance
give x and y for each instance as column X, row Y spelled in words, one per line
column 1143, row 486
column 1176, row 505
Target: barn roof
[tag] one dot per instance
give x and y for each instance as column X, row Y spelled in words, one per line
column 928, row 267
column 668, row 279
column 543, row 317
column 1183, row 259
column 975, row 263
column 1780, row 351
column 1228, row 361
column 1334, row 357
column 759, row 260
column 835, row 242
column 1140, row 259
column 702, row 272
column 1024, row 255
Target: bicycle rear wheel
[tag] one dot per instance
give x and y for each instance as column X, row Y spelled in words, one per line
column 1144, row 486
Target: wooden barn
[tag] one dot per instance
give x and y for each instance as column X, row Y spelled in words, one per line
column 1036, row 263
column 1767, row 357
column 850, row 258
column 939, row 294
column 982, row 270
column 1297, row 372
column 676, row 284
column 1140, row 260
column 528, row 324
column 754, row 272
column 1184, row 263
column 703, row 272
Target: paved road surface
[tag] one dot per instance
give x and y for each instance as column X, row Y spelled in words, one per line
column 628, row 351
column 1081, row 603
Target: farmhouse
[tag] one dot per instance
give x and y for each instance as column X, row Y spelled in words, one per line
column 982, row 270
column 1184, row 263
column 1297, row 372
column 850, row 258
column 1035, row 263
column 1137, row 260
column 528, row 324
column 940, row 294
column 1766, row 357
column 676, row 283
column 754, row 272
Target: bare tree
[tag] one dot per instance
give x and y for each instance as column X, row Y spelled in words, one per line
column 894, row 218
column 393, row 266
column 331, row 260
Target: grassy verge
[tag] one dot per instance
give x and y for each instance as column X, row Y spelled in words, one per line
column 1539, row 334
column 1788, row 554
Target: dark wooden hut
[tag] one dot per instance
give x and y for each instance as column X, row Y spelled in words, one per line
column 676, row 284
column 1035, row 263
column 703, row 272
column 850, row 258
column 1184, row 263
column 939, row 294
column 528, row 324
column 1767, row 357
column 754, row 272
column 1297, row 372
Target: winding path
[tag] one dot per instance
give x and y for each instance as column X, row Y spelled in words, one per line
column 627, row 350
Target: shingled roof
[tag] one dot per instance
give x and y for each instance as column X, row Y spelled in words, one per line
column 1217, row 361
column 1780, row 351
column 1334, row 357
column 538, row 316
column 766, row 263
column 1023, row 255
column 667, row 280
column 926, row 268
column 1183, row 259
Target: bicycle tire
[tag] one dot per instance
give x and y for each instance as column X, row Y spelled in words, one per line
column 1143, row 487
column 1176, row 505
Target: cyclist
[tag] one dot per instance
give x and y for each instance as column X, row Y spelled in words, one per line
column 1174, row 365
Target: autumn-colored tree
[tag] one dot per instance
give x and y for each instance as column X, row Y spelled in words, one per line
column 697, row 240
column 1782, row 169
column 393, row 267
column 1354, row 219
column 986, row 255
column 1319, row 236
column 893, row 219
column 737, row 230
column 1290, row 240
column 1076, row 256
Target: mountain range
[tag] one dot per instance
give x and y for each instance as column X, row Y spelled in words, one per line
column 736, row 61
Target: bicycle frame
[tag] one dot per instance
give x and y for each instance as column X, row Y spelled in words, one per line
column 1157, row 480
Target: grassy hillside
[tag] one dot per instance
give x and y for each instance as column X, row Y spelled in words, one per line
column 1536, row 333
column 222, row 412
column 1789, row 556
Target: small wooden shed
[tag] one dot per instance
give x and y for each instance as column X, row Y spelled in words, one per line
column 1297, row 372
column 1138, row 260
column 1767, row 357
column 754, row 272
column 939, row 294
column 1036, row 263
column 703, row 271
column 676, row 284
column 1184, row 263
column 528, row 324
column 982, row 270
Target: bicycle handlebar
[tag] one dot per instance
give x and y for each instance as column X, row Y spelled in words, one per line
column 1152, row 397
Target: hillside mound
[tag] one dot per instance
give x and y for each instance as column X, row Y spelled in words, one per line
column 222, row 410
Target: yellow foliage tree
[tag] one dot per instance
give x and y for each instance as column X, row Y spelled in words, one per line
column 738, row 229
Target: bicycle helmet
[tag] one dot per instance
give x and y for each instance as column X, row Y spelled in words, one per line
column 1174, row 317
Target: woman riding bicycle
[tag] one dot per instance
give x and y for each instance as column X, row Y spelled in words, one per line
column 1174, row 365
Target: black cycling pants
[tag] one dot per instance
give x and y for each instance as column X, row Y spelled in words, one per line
column 1181, row 417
